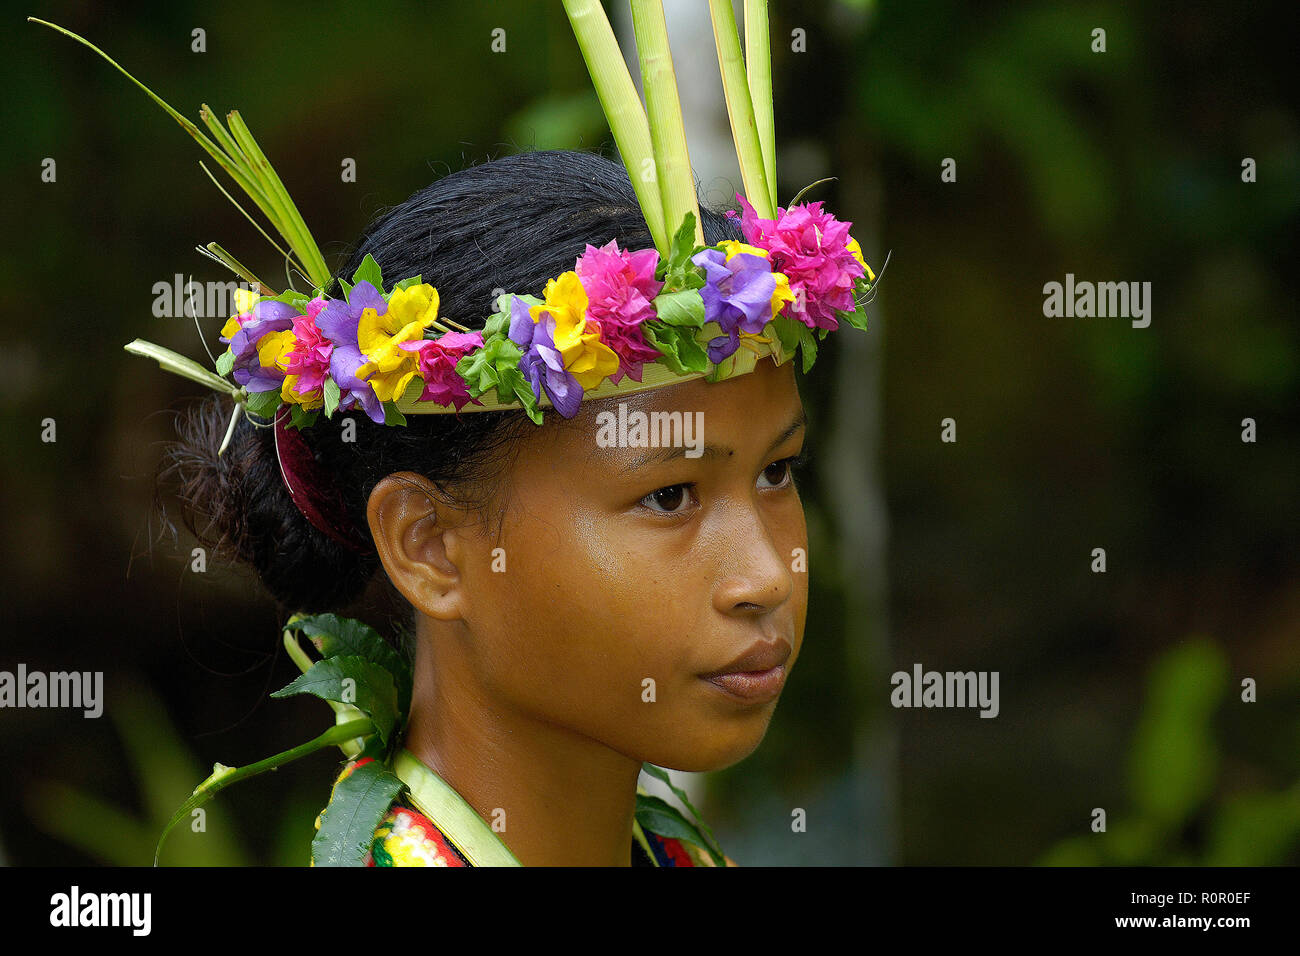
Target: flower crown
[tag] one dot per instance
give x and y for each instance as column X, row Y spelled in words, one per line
column 620, row 321
column 624, row 316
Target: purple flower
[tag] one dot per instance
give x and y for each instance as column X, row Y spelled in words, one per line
column 541, row 363
column 737, row 295
column 338, row 322
column 263, row 318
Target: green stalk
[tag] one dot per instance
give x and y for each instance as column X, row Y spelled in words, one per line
column 223, row 777
column 297, row 234
column 237, row 267
column 664, row 112
column 622, row 106
column 740, row 109
column 178, row 364
column 244, row 161
column 256, row 224
column 758, row 71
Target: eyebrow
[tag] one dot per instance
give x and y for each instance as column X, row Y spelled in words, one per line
column 655, row 456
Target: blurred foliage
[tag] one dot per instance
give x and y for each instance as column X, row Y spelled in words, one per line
column 166, row 773
column 1175, row 765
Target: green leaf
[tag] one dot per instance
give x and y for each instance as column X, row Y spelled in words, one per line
column 347, row 827
column 264, row 404
column 407, row 283
column 681, row 352
column 677, row 271
column 1173, row 760
column 301, row 417
column 660, row 817
column 514, row 383
column 483, row 368
column 346, row 286
column 368, row 271
column 332, row 396
column 225, row 362
column 659, row 773
column 682, row 308
column 290, row 297
column 391, row 415
column 335, row 636
column 351, row 679
column 856, row 318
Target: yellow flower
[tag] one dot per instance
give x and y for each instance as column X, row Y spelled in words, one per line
column 389, row 369
column 586, row 357
column 245, row 299
column 734, row 247
column 781, row 294
column 273, row 348
column 290, row 394
column 856, row 251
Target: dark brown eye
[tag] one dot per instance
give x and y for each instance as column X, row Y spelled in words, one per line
column 667, row 500
column 781, row 473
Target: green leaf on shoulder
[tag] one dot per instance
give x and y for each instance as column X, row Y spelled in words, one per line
column 660, row 817
column 659, row 773
column 335, row 636
column 347, row 826
column 352, row 680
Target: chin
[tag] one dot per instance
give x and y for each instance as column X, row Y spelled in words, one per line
column 713, row 749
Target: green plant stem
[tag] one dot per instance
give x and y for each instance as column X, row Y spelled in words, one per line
column 664, row 113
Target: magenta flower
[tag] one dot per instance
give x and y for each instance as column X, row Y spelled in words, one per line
column 811, row 248
column 737, row 295
column 542, row 363
column 437, row 366
column 309, row 359
column 620, row 287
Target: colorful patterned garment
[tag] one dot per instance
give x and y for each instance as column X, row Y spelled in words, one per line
column 408, row 838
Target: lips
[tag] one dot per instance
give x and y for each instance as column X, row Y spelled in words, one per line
column 756, row 675
column 761, row 656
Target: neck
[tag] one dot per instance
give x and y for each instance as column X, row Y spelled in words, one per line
column 564, row 798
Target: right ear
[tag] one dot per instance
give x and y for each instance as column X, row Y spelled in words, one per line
column 418, row 536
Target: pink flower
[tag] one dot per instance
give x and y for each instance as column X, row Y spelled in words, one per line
column 620, row 287
column 810, row 247
column 437, row 366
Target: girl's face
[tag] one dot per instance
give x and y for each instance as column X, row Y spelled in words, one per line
column 627, row 576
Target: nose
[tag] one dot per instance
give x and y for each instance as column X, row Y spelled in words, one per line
column 756, row 577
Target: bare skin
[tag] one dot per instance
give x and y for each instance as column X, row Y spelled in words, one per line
column 529, row 693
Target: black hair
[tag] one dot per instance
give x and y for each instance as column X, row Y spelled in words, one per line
column 505, row 225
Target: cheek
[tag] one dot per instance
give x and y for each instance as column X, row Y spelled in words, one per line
column 575, row 622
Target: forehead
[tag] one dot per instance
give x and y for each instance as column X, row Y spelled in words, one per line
column 745, row 414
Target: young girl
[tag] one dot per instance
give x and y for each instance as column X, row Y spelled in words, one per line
column 604, row 563
column 577, row 609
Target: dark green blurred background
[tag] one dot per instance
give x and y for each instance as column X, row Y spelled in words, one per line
column 1119, row 690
